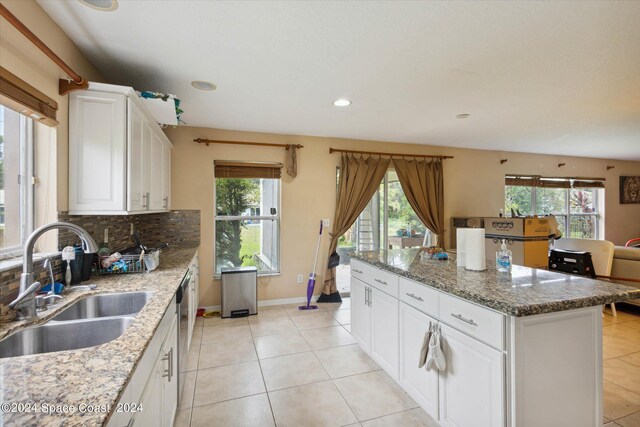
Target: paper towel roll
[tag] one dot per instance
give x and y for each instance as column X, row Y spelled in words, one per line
column 461, row 253
column 474, row 248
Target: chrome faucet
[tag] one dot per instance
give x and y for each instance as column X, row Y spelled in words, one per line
column 25, row 302
column 48, row 264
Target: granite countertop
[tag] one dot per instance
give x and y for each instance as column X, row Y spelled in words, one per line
column 95, row 375
column 523, row 292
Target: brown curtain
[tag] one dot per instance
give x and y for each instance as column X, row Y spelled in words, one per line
column 423, row 185
column 292, row 161
column 359, row 179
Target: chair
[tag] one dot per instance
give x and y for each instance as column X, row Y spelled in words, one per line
column 601, row 255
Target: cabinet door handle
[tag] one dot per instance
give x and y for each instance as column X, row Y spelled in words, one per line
column 415, row 297
column 381, row 281
column 171, row 364
column 167, row 372
column 357, row 271
column 145, row 196
column 165, row 202
column 370, row 297
column 464, row 319
column 366, row 296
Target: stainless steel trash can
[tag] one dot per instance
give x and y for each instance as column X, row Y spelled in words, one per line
column 239, row 291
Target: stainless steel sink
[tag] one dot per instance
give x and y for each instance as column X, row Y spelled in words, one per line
column 59, row 336
column 120, row 304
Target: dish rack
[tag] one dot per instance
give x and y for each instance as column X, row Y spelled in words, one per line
column 130, row 264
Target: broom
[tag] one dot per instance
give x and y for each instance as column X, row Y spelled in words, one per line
column 312, row 277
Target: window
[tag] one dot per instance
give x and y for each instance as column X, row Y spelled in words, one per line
column 576, row 208
column 247, row 217
column 16, row 190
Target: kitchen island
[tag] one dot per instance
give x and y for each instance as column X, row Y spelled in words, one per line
column 521, row 348
column 83, row 387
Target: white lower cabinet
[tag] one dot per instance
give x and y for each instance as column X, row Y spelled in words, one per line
column 194, row 285
column 151, row 397
column 374, row 324
column 360, row 314
column 538, row 370
column 384, row 331
column 470, row 391
column 421, row 384
column 472, row 385
column 151, row 401
column 169, row 358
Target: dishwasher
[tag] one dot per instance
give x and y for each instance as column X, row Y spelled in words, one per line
column 182, row 300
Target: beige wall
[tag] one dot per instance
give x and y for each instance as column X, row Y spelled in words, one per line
column 474, row 186
column 24, row 60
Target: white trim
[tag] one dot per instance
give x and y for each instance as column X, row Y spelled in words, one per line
column 269, row 302
column 276, row 218
column 247, row 217
column 11, row 263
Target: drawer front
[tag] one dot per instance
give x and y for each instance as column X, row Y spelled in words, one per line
column 383, row 280
column 483, row 324
column 419, row 296
column 358, row 270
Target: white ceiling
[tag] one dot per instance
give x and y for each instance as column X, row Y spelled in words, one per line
column 546, row 77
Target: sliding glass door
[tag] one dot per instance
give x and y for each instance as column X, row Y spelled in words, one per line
column 388, row 221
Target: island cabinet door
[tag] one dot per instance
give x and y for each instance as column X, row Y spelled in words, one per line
column 361, row 314
column 421, row 384
column 472, row 384
column 384, row 331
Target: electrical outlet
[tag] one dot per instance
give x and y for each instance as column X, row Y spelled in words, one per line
column 106, row 235
column 326, row 223
column 300, row 278
column 131, row 228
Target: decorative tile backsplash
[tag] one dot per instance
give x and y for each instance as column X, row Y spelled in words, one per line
column 175, row 228
column 10, row 279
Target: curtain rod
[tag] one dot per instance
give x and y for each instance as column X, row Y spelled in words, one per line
column 557, row 178
column 64, row 86
column 259, row 144
column 336, row 150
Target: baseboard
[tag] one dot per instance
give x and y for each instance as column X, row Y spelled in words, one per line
column 268, row 302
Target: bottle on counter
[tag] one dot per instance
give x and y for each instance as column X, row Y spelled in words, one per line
column 503, row 258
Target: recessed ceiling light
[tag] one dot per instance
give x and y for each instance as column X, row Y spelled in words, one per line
column 463, row 116
column 342, row 102
column 103, row 5
column 202, row 85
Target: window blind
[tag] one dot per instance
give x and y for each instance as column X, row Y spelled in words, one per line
column 553, row 182
column 225, row 169
column 20, row 96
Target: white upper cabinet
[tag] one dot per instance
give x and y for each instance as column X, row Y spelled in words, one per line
column 97, row 151
column 119, row 158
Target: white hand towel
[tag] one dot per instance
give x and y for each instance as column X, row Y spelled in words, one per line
column 425, row 349
column 435, row 357
column 438, row 354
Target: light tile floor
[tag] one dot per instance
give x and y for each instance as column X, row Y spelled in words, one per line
column 621, row 354
column 287, row 367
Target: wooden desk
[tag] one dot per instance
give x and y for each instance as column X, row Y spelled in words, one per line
column 405, row 241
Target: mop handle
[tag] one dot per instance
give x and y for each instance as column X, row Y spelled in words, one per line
column 315, row 261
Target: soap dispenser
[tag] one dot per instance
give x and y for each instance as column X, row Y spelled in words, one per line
column 503, row 258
